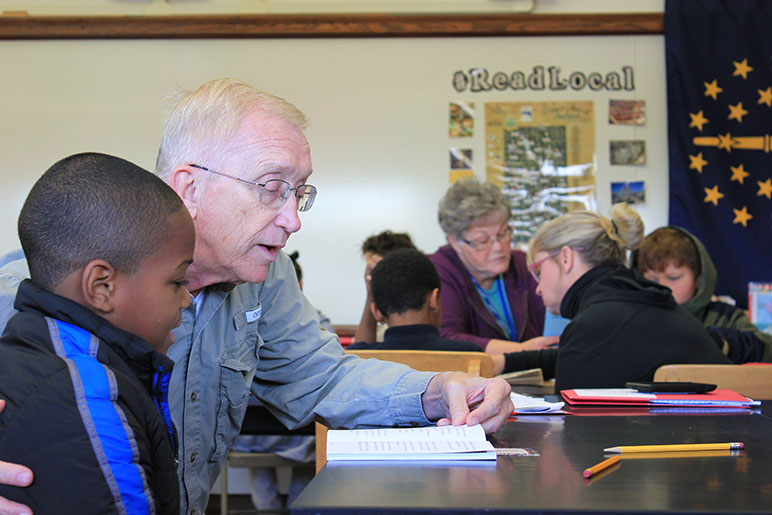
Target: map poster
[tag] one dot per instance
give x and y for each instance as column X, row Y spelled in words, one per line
column 542, row 155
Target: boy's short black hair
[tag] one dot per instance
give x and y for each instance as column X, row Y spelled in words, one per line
column 93, row 206
column 298, row 271
column 668, row 245
column 387, row 241
column 402, row 280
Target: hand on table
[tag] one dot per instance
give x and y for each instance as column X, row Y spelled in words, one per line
column 457, row 398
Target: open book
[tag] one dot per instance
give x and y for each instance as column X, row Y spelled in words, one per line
column 415, row 443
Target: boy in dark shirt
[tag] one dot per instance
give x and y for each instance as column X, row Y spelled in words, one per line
column 406, row 296
column 83, row 363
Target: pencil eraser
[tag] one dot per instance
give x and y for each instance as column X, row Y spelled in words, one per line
column 587, row 474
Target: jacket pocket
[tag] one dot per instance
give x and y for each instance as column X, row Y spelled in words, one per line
column 237, row 369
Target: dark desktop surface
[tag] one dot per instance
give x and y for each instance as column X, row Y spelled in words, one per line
column 712, row 482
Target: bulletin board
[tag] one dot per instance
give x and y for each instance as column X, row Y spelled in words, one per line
column 378, row 110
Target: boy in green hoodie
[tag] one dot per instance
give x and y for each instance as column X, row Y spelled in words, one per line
column 673, row 257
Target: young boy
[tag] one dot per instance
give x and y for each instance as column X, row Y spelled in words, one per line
column 406, row 296
column 673, row 257
column 83, row 366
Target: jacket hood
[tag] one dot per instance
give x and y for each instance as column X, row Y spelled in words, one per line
column 705, row 283
column 613, row 283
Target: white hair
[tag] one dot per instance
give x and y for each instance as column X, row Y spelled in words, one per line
column 200, row 125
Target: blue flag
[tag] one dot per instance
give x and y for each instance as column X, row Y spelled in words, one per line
column 719, row 90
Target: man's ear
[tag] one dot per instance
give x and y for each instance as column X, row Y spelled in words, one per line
column 98, row 286
column 187, row 184
column 377, row 314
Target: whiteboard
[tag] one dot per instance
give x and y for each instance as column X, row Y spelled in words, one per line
column 378, row 111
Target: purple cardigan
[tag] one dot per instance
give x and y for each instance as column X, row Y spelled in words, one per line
column 464, row 315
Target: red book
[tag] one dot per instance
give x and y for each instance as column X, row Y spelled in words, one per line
column 634, row 398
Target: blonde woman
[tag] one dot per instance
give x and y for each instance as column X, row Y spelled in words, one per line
column 623, row 327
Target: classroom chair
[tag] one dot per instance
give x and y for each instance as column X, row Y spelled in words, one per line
column 474, row 363
column 751, row 380
column 259, row 421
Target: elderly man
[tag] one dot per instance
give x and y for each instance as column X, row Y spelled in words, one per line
column 239, row 160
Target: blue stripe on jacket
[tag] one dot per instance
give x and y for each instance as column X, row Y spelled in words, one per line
column 111, row 437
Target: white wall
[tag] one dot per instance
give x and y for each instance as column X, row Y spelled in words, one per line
column 169, row 7
column 378, row 134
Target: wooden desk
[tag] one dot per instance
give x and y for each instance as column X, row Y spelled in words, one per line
column 553, row 481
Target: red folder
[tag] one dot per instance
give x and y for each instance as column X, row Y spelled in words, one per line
column 633, row 398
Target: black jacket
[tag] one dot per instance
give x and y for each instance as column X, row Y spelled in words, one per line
column 85, row 402
column 622, row 329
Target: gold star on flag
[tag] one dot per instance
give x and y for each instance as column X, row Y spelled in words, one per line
column 742, row 68
column 765, row 188
column 738, row 173
column 765, row 96
column 737, row 112
column 698, row 120
column 741, row 216
column 697, row 162
column 713, row 195
column 712, row 89
column 725, row 141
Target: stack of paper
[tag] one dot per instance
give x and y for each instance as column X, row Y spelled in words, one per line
column 521, row 377
column 415, row 443
column 525, row 405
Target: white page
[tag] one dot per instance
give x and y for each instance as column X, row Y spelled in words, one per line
column 526, row 404
column 429, row 433
column 406, row 447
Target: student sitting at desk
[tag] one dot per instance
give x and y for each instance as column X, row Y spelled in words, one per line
column 406, row 296
column 675, row 258
column 622, row 327
column 374, row 248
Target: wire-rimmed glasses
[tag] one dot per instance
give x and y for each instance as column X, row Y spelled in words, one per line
column 275, row 192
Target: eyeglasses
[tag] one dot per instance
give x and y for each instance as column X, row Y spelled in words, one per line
column 535, row 267
column 275, row 192
column 483, row 245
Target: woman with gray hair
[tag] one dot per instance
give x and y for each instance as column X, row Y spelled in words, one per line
column 623, row 327
column 487, row 295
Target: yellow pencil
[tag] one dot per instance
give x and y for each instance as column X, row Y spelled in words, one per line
column 603, row 465
column 678, row 454
column 731, row 446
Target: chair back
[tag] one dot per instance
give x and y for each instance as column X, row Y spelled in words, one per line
column 474, row 363
column 754, row 381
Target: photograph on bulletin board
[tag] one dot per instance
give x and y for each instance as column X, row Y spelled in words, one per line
column 542, row 155
column 627, row 112
column 461, row 123
column 632, row 152
column 633, row 192
column 461, row 158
